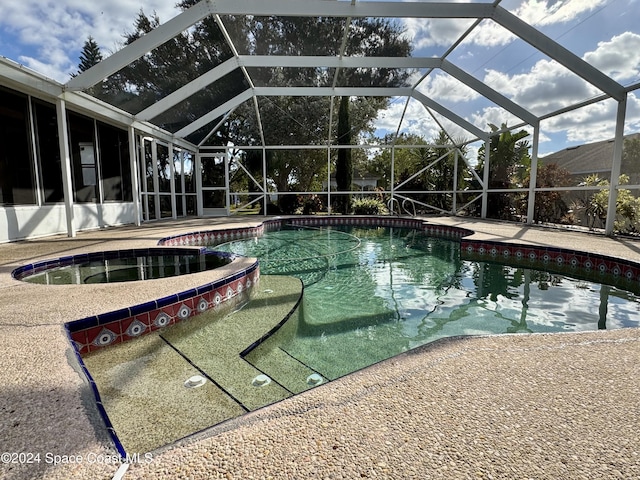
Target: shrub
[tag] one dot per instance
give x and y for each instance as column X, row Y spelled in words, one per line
column 312, row 204
column 289, row 203
column 368, row 206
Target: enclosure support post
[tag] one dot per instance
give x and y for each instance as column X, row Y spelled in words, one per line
column 65, row 156
column 198, row 173
column 328, row 179
column 156, row 180
column 265, row 200
column 135, row 180
column 485, row 178
column 533, row 175
column 172, row 186
column 454, row 200
column 614, row 182
column 393, row 180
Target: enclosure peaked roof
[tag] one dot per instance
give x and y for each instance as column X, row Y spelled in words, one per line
column 172, row 108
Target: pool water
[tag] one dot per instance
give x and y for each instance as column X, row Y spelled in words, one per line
column 369, row 294
column 372, row 293
column 127, row 268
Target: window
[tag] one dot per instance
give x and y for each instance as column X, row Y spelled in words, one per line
column 48, row 150
column 114, row 163
column 83, row 158
column 17, row 180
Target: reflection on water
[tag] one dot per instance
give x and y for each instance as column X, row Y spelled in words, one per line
column 372, row 293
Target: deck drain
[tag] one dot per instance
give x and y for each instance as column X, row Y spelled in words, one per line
column 261, row 381
column 195, row 381
column 314, row 379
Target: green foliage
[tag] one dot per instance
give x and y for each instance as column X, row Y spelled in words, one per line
column 312, row 204
column 627, row 206
column 368, row 206
column 344, row 166
column 509, row 162
column 432, row 167
column 89, row 56
column 631, row 159
column 289, row 203
column 549, row 206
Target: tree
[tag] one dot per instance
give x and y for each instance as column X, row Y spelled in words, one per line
column 89, row 56
column 509, row 162
column 344, row 166
column 631, row 159
column 627, row 206
column 549, row 206
column 303, row 120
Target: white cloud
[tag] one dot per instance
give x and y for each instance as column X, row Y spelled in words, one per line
column 588, row 124
column 548, row 86
column 429, row 32
column 417, row 121
column 489, row 34
column 443, row 87
column 55, row 31
column 619, row 57
column 542, row 13
column 594, row 122
column 535, row 12
column 493, row 115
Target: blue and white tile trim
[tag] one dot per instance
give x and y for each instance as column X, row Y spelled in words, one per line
column 619, row 271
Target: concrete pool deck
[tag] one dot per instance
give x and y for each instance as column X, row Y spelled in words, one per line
column 510, row 406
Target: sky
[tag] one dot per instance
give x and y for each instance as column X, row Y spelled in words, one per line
column 47, row 36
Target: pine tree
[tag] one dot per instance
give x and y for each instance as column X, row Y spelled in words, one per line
column 89, row 56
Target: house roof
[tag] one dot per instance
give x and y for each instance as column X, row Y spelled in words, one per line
column 585, row 159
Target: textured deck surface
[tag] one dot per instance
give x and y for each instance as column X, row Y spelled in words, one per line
column 526, row 406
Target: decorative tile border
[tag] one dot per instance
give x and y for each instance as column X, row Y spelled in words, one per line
column 214, row 237
column 602, row 268
column 38, row 267
column 91, row 333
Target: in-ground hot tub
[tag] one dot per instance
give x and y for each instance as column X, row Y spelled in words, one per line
column 122, row 266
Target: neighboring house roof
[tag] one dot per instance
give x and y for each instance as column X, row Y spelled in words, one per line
column 586, row 159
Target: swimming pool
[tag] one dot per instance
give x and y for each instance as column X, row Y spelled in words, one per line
column 369, row 293
column 372, row 293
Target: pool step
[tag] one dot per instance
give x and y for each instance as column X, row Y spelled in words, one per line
column 292, row 374
column 142, row 382
column 214, row 344
column 142, row 389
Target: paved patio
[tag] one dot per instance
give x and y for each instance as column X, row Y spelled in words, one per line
column 525, row 406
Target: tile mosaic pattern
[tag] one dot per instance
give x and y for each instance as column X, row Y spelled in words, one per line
column 91, row 333
column 33, row 268
column 212, row 237
column 618, row 271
